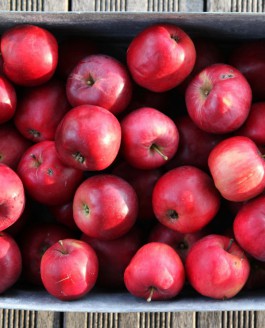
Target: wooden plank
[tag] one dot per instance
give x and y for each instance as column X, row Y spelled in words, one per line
column 55, row 5
column 5, row 5
column 209, row 319
column 259, row 319
column 48, row 319
column 182, row 320
column 235, row 6
column 75, row 320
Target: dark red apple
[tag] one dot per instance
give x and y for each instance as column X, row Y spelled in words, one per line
column 88, row 138
column 34, row 240
column 8, row 100
column 160, row 57
column 46, row 179
column 105, row 206
column 12, row 197
column 218, row 99
column 30, row 54
column 185, row 199
column 69, row 269
column 149, row 138
column 217, row 267
column 155, row 272
column 10, row 261
column 40, row 109
column 100, row 80
column 12, row 145
column 63, row 214
column 237, row 168
column 114, row 256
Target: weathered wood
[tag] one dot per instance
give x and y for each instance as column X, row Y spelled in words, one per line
column 235, row 6
column 5, row 5
column 75, row 320
column 182, row 319
column 259, row 319
column 47, row 319
column 55, row 5
column 209, row 319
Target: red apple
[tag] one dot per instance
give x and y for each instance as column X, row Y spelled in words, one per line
column 114, row 256
column 217, row 267
column 12, row 145
column 30, row 54
column 249, row 58
column 160, row 57
column 69, row 269
column 46, row 179
column 149, row 138
column 155, row 272
column 88, row 138
column 34, row 240
column 237, row 168
column 249, row 227
column 185, row 199
column 12, row 197
column 100, row 80
column 63, row 214
column 218, row 99
column 105, row 206
column 8, row 100
column 71, row 51
column 10, row 261
column 40, row 109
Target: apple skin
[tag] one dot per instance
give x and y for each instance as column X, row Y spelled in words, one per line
column 30, row 54
column 69, row 269
column 221, row 263
column 71, row 51
column 88, row 138
column 10, row 261
column 249, row 58
column 160, row 57
column 237, row 168
column 185, row 199
column 155, row 272
column 253, row 127
column 105, row 206
column 181, row 242
column 100, row 80
column 218, row 99
column 249, row 226
column 114, row 256
column 40, row 110
column 8, row 100
column 63, row 214
column 12, row 197
column 46, row 179
column 33, row 241
column 144, row 131
column 12, row 145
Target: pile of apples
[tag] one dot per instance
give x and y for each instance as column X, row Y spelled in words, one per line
column 142, row 172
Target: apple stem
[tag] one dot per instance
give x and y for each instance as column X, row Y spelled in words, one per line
column 155, row 148
column 152, row 290
column 230, row 244
column 63, row 250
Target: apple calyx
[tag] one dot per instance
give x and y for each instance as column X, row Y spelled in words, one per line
column 86, row 209
column 34, row 133
column 174, row 37
column 90, row 81
column 155, row 148
column 50, row 171
column 37, row 162
column 227, row 76
column 79, row 157
column 152, row 289
column 172, row 214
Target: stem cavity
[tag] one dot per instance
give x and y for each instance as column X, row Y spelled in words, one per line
column 155, row 148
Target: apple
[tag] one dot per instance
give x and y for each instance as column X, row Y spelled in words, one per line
column 143, row 182
column 88, row 138
column 12, row 197
column 185, row 199
column 237, row 168
column 253, row 126
column 46, row 179
column 71, row 50
column 149, row 138
column 12, row 145
column 105, row 206
column 218, row 99
column 40, row 109
column 100, row 80
column 160, row 57
column 30, row 54
column 217, row 267
column 33, row 241
column 69, row 269
column 248, row 58
column 114, row 256
column 10, row 261
column 8, row 100
column 249, row 226
column 181, row 242
column 63, row 214
column 155, row 272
